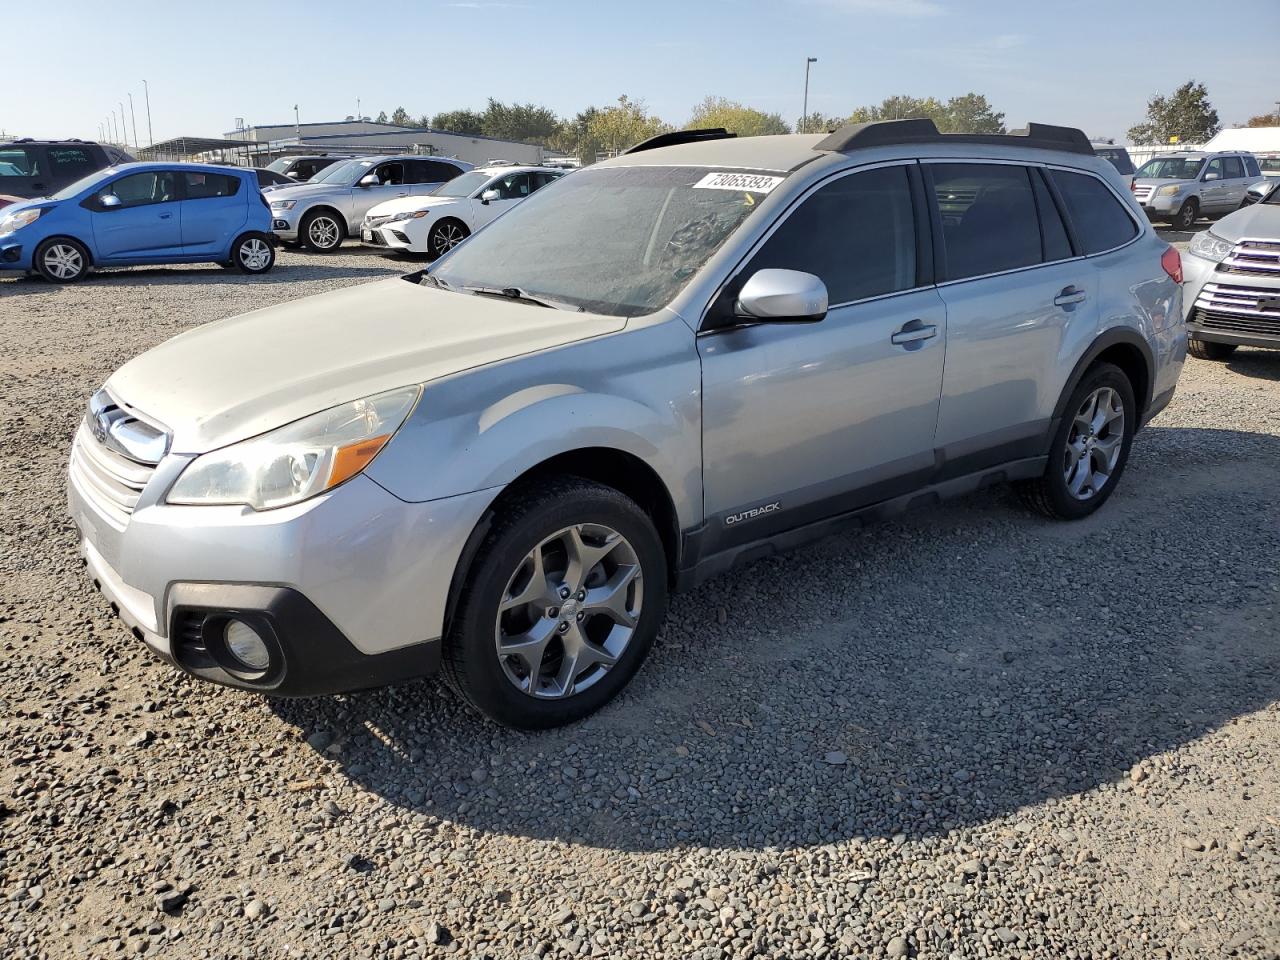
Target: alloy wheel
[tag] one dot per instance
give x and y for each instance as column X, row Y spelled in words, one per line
column 448, row 236
column 1094, row 443
column 255, row 254
column 569, row 611
column 323, row 233
column 63, row 261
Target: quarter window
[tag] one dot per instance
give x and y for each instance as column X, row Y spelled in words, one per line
column 857, row 234
column 19, row 162
column 202, row 186
column 1100, row 219
column 989, row 219
column 140, row 189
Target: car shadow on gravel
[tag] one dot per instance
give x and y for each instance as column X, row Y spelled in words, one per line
column 1258, row 364
column 943, row 670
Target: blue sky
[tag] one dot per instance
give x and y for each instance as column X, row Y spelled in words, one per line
column 1088, row 64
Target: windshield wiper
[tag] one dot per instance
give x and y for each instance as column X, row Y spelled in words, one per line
column 518, row 295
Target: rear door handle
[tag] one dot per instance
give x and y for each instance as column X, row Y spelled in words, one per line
column 1068, row 296
column 914, row 331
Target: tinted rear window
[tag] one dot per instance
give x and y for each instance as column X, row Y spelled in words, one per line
column 1100, row 219
column 1116, row 157
column 989, row 221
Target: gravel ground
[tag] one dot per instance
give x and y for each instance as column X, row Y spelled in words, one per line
column 968, row 733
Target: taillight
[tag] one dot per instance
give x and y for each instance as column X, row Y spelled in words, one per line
column 1171, row 260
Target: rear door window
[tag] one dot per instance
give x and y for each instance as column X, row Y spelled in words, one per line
column 989, row 219
column 1234, row 168
column 204, row 186
column 857, row 234
column 1101, row 221
column 1054, row 243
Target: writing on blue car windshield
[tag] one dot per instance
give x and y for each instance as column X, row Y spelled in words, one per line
column 621, row 241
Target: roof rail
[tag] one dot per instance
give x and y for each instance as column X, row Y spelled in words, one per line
column 681, row 136
column 891, row 132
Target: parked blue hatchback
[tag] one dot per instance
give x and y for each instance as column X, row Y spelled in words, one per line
column 140, row 213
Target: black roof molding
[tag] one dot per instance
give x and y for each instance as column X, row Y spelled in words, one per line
column 884, row 133
column 681, row 136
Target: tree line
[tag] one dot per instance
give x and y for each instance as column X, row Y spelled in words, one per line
column 619, row 125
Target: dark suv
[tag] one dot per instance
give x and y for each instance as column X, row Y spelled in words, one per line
column 37, row 168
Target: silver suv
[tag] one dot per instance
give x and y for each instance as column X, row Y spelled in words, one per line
column 1179, row 188
column 325, row 210
column 701, row 352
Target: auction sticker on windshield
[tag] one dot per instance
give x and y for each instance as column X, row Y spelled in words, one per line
column 752, row 182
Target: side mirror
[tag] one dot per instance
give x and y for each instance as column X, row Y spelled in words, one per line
column 490, row 195
column 292, row 175
column 368, row 180
column 108, row 200
column 1211, row 176
column 782, row 296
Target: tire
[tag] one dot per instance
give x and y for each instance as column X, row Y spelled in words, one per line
column 322, row 231
column 505, row 596
column 445, row 235
column 1208, row 350
column 61, row 260
column 1064, row 492
column 1187, row 214
column 253, row 253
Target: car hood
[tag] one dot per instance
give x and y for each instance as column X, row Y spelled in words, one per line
column 1261, row 221
column 407, row 204
column 303, row 190
column 236, row 378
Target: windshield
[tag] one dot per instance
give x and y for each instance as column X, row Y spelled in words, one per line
column 462, row 186
column 279, row 166
column 1171, row 168
column 84, row 183
column 614, row 240
column 344, row 173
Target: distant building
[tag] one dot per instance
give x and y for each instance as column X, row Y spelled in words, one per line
column 360, row 136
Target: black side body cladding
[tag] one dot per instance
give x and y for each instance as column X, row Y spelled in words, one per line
column 856, row 136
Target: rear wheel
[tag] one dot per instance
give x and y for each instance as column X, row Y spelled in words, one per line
column 323, row 231
column 61, row 260
column 1090, row 449
column 253, row 253
column 560, row 607
column 1208, row 350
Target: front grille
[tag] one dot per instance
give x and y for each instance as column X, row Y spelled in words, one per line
column 377, row 239
column 1235, row 308
column 402, row 237
column 1234, row 323
column 1259, row 258
column 112, row 482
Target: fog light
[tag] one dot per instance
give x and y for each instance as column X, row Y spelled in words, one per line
column 244, row 643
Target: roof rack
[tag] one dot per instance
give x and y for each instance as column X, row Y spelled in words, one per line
column 891, row 132
column 681, row 136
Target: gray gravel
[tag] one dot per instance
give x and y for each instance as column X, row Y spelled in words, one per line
column 968, row 733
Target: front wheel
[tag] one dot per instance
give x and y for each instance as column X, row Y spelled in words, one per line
column 1089, row 449
column 1208, row 350
column 446, row 235
column 1186, row 216
column 560, row 607
column 61, row 260
column 253, row 254
column 323, row 231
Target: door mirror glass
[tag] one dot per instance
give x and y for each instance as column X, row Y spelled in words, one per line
column 490, row 195
column 782, row 296
column 369, row 180
column 108, row 200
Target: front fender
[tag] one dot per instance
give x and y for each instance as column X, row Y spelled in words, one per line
column 637, row 391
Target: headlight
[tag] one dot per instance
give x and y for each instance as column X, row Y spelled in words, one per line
column 414, row 215
column 20, row 219
column 1170, row 190
column 1205, row 244
column 283, row 204
column 299, row 460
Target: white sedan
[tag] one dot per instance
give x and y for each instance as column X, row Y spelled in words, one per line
column 438, row 222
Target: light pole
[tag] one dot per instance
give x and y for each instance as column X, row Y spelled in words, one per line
column 804, row 117
column 147, row 92
column 133, row 119
column 122, row 126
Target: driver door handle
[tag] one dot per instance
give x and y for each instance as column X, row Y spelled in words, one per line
column 914, row 331
column 1068, row 296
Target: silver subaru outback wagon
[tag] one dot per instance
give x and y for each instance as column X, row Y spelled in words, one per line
column 700, row 352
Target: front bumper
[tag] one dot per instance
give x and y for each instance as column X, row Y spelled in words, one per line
column 1225, row 306
column 351, row 588
column 388, row 236
column 284, row 223
column 14, row 255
